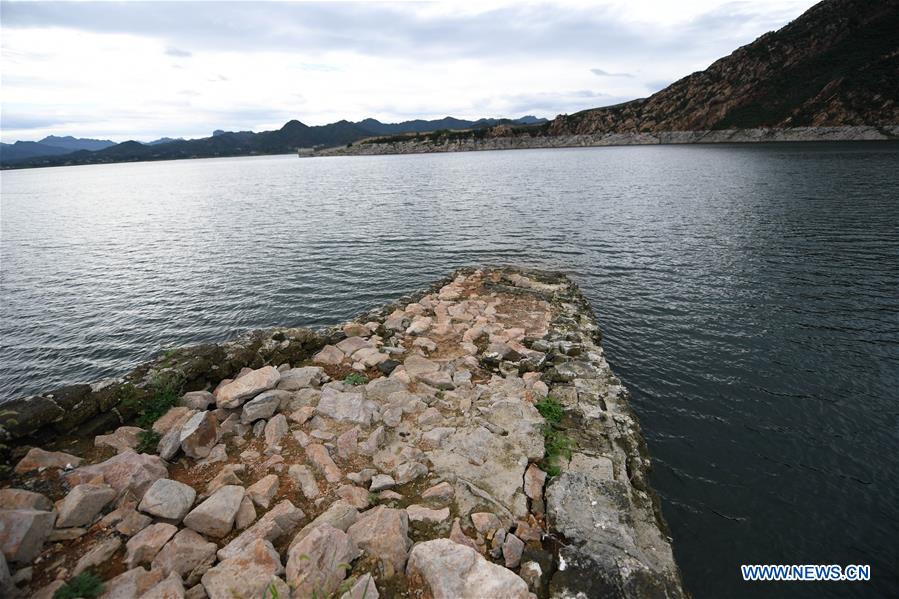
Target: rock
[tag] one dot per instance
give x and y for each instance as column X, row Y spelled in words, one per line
column 235, row 393
column 380, row 482
column 227, row 476
column 485, row 522
column 532, row 573
column 197, row 592
column 123, row 439
column 126, row 472
column 45, row 592
column 82, row 504
column 261, row 407
column 20, row 499
column 512, row 549
column 417, row 365
column 599, row 467
column 279, row 522
column 219, row 453
column 420, row 325
column 175, row 417
column 351, row 345
column 328, row 355
column 409, row 471
column 132, row 522
column 246, row 515
column 429, row 417
column 364, row 588
column 438, row 380
column 187, row 554
column 355, row 329
column 345, row 407
column 215, row 516
column 304, row 478
column 301, row 378
column 143, row 547
column 439, row 493
column 7, row 588
column 355, row 496
column 168, row 499
column 534, row 478
column 65, row 534
column 198, row 400
column 446, row 570
column 169, row 588
column 37, row 459
column 275, row 429
column 383, row 534
column 322, row 461
column 263, row 491
column 98, row 555
column 316, row 564
column 246, row 575
column 23, row 532
column 131, row 584
column 457, row 536
column 340, row 515
column 419, row 513
column 302, row 415
column 199, row 434
column 527, row 531
column 170, row 443
column 347, row 443
column 373, row 443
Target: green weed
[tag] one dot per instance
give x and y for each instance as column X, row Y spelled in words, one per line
column 86, row 585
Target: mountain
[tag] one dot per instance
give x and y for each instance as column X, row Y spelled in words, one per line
column 837, row 64
column 73, row 143
column 376, row 127
column 23, row 150
column 162, row 140
column 288, row 138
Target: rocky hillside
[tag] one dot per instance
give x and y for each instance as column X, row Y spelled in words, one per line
column 836, row 65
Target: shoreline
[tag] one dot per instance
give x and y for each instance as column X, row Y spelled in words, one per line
column 494, row 431
column 521, row 142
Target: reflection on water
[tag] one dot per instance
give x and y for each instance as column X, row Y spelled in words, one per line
column 747, row 295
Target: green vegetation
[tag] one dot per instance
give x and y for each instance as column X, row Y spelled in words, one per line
column 149, row 441
column 354, row 378
column 555, row 442
column 86, row 585
column 165, row 393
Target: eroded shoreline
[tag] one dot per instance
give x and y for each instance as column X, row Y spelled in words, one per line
column 412, row 445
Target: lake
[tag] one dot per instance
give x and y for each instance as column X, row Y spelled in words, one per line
column 749, row 297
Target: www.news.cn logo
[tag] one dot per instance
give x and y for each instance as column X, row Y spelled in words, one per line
column 806, row 572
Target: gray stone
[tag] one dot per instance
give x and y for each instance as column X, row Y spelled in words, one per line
column 315, row 565
column 419, row 513
column 23, row 532
column 126, row 472
column 340, row 515
column 38, row 459
column 133, row 583
column 328, row 355
column 277, row 523
column 98, row 555
column 198, row 400
column 143, row 547
column 249, row 574
column 168, row 499
column 345, row 407
column 215, row 516
column 364, row 588
column 188, row 555
column 81, row 506
column 383, row 533
column 199, row 435
column 301, row 378
column 122, row 439
column 322, row 461
column 261, row 407
column 263, row 491
column 305, row 479
column 235, row 393
column 169, row 588
column 512, row 549
column 275, row 429
column 351, row 345
column 20, row 499
column 380, row 482
column 446, row 570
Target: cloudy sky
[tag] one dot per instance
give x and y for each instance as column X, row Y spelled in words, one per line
column 143, row 70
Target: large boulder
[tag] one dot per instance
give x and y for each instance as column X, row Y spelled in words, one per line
column 317, row 564
column 246, row 575
column 383, row 533
column 261, row 407
column 188, row 554
column 82, row 504
column 301, row 378
column 126, row 472
column 20, row 499
column 235, row 393
column 215, row 516
column 443, row 569
column 23, row 532
column 168, row 499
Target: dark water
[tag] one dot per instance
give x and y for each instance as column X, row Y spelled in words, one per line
column 749, row 297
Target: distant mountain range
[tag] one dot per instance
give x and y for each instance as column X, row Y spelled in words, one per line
column 56, row 151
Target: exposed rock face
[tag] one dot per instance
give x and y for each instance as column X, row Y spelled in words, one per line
column 447, row 570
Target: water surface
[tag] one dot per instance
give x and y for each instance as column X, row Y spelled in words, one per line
column 748, row 296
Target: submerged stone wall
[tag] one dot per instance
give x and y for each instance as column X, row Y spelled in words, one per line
column 521, row 142
column 469, row 440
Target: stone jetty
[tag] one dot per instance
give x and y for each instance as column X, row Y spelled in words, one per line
column 467, row 441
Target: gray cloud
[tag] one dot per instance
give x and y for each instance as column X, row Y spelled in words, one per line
column 178, row 52
column 602, row 73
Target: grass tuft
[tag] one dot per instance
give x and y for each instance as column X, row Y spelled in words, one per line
column 86, row 585
column 355, row 379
